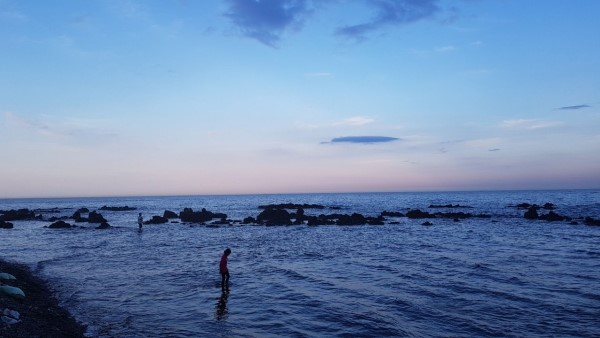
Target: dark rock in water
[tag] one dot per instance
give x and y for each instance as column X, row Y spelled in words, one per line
column 125, row 208
column 552, row 217
column 54, row 218
column 249, row 220
column 427, row 223
column 77, row 217
column 523, row 206
column 191, row 216
column 170, row 214
column 434, row 206
column 391, row 214
column 271, row 216
column 531, row 213
column 104, row 225
column 16, row 215
column 416, row 213
column 83, row 210
column 95, row 217
column 5, row 225
column 354, row 219
column 591, row 221
column 60, row 225
column 549, row 206
column 574, row 223
column 291, row 206
column 157, row 220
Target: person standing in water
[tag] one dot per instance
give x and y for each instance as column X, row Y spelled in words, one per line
column 224, row 271
column 140, row 220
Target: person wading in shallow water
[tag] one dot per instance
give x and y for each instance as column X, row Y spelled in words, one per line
column 224, row 271
column 140, row 220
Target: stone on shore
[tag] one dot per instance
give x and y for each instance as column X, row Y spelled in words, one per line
column 60, row 225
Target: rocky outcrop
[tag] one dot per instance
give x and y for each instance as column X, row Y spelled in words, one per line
column 5, row 225
column 104, row 225
column 274, row 216
column 157, row 220
column 391, row 214
column 592, row 221
column 110, row 208
column 17, row 215
column 291, row 206
column 531, row 213
column 95, row 217
column 170, row 214
column 416, row 213
column 60, row 225
column 78, row 218
column 553, row 217
column 190, row 216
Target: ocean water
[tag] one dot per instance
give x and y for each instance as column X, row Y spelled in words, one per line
column 499, row 277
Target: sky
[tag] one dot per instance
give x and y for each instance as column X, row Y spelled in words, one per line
column 183, row 97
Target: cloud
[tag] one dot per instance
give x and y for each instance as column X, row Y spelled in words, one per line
column 362, row 139
column 445, row 49
column 80, row 132
column 355, row 121
column 580, row 106
column 529, row 124
column 493, row 150
column 390, row 13
column 266, row 20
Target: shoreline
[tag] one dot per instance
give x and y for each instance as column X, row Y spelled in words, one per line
column 40, row 313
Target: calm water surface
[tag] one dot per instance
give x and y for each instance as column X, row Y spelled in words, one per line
column 503, row 276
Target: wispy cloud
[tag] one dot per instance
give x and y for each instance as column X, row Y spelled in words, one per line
column 362, row 139
column 445, row 49
column 529, row 124
column 79, row 132
column 266, row 20
column 579, row 106
column 355, row 121
column 390, row 13
column 16, row 120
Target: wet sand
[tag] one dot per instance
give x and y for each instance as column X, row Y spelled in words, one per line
column 40, row 313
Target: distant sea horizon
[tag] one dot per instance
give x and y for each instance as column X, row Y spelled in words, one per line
column 435, row 191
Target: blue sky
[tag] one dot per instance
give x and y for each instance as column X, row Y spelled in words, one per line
column 131, row 97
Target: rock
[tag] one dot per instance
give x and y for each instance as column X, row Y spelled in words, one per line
column 549, row 206
column 188, row 215
column 291, row 206
column 354, row 219
column 157, row 220
column 104, row 225
column 5, row 225
column 591, row 221
column 16, row 215
column 83, row 210
column 60, row 225
column 416, row 213
column 427, row 223
column 391, row 214
column 249, row 220
column 125, row 208
column 77, row 217
column 170, row 214
column 272, row 216
column 531, row 213
column 95, row 217
column 552, row 217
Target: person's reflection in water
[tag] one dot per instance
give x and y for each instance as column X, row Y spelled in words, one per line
column 222, row 306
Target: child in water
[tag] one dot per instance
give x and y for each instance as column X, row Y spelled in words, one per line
column 224, row 271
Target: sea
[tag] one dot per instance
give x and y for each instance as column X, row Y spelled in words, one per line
column 500, row 276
